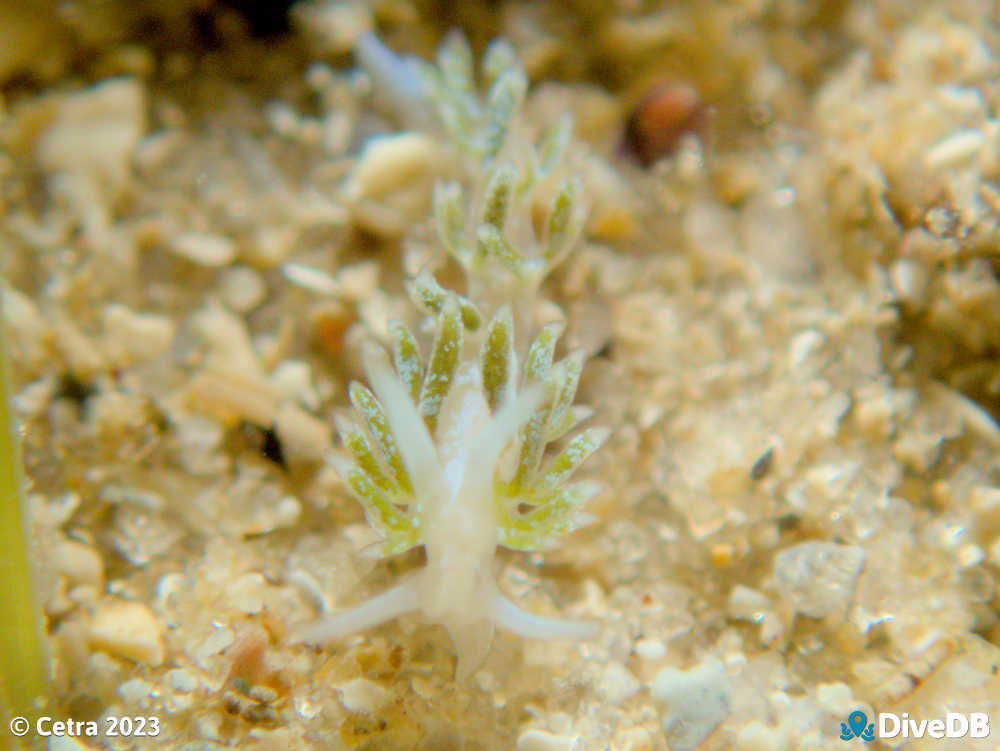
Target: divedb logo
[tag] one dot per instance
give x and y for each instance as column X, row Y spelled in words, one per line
column 889, row 725
column 954, row 725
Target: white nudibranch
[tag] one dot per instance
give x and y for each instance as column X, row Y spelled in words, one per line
column 448, row 453
column 448, row 457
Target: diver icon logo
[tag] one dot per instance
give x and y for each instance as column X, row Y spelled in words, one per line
column 857, row 726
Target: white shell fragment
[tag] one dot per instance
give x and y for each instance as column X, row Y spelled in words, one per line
column 301, row 434
column 246, row 593
column 390, row 162
column 95, row 131
column 294, row 379
column 747, row 604
column 65, row 743
column 228, row 397
column 353, row 283
column 79, row 351
column 695, row 702
column 220, row 639
column 204, row 249
column 541, row 740
column 228, row 342
column 79, row 563
column 651, row 649
column 616, row 684
column 956, row 149
column 362, row 695
column 332, row 27
column 182, row 681
column 817, row 579
column 312, row 279
column 242, row 288
column 131, row 337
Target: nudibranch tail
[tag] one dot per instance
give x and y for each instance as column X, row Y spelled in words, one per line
column 472, row 642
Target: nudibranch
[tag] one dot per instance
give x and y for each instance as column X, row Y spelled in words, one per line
column 450, row 453
column 448, row 456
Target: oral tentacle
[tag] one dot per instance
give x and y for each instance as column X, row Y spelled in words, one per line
column 510, row 617
column 379, row 609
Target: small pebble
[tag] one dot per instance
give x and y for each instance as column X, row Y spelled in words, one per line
column 282, row 119
column 249, row 657
column 127, row 629
column 818, row 578
column 337, row 130
column 302, row 436
column 755, row 736
column 263, row 694
column 132, row 337
column 228, row 340
column 747, row 604
column 651, row 649
column 540, row 740
column 333, row 27
column 772, row 630
column 956, row 149
column 204, row 249
column 694, row 702
column 181, row 681
column 633, row 739
column 665, row 114
column 220, row 638
column 390, row 162
column 803, row 346
column 82, row 357
column 293, row 378
column 65, row 743
column 312, row 279
column 242, row 289
column 617, row 684
column 246, row 593
column 984, row 503
column 95, row 130
column 136, row 692
column 227, row 397
column 835, row 698
column 909, row 280
column 970, row 555
column 358, row 281
column 328, row 322
column 361, row 695
column 271, row 245
column 79, row 563
column 127, row 495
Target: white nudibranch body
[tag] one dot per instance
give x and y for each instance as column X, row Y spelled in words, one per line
column 449, row 452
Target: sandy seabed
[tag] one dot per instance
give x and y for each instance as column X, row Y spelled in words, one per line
column 792, row 318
